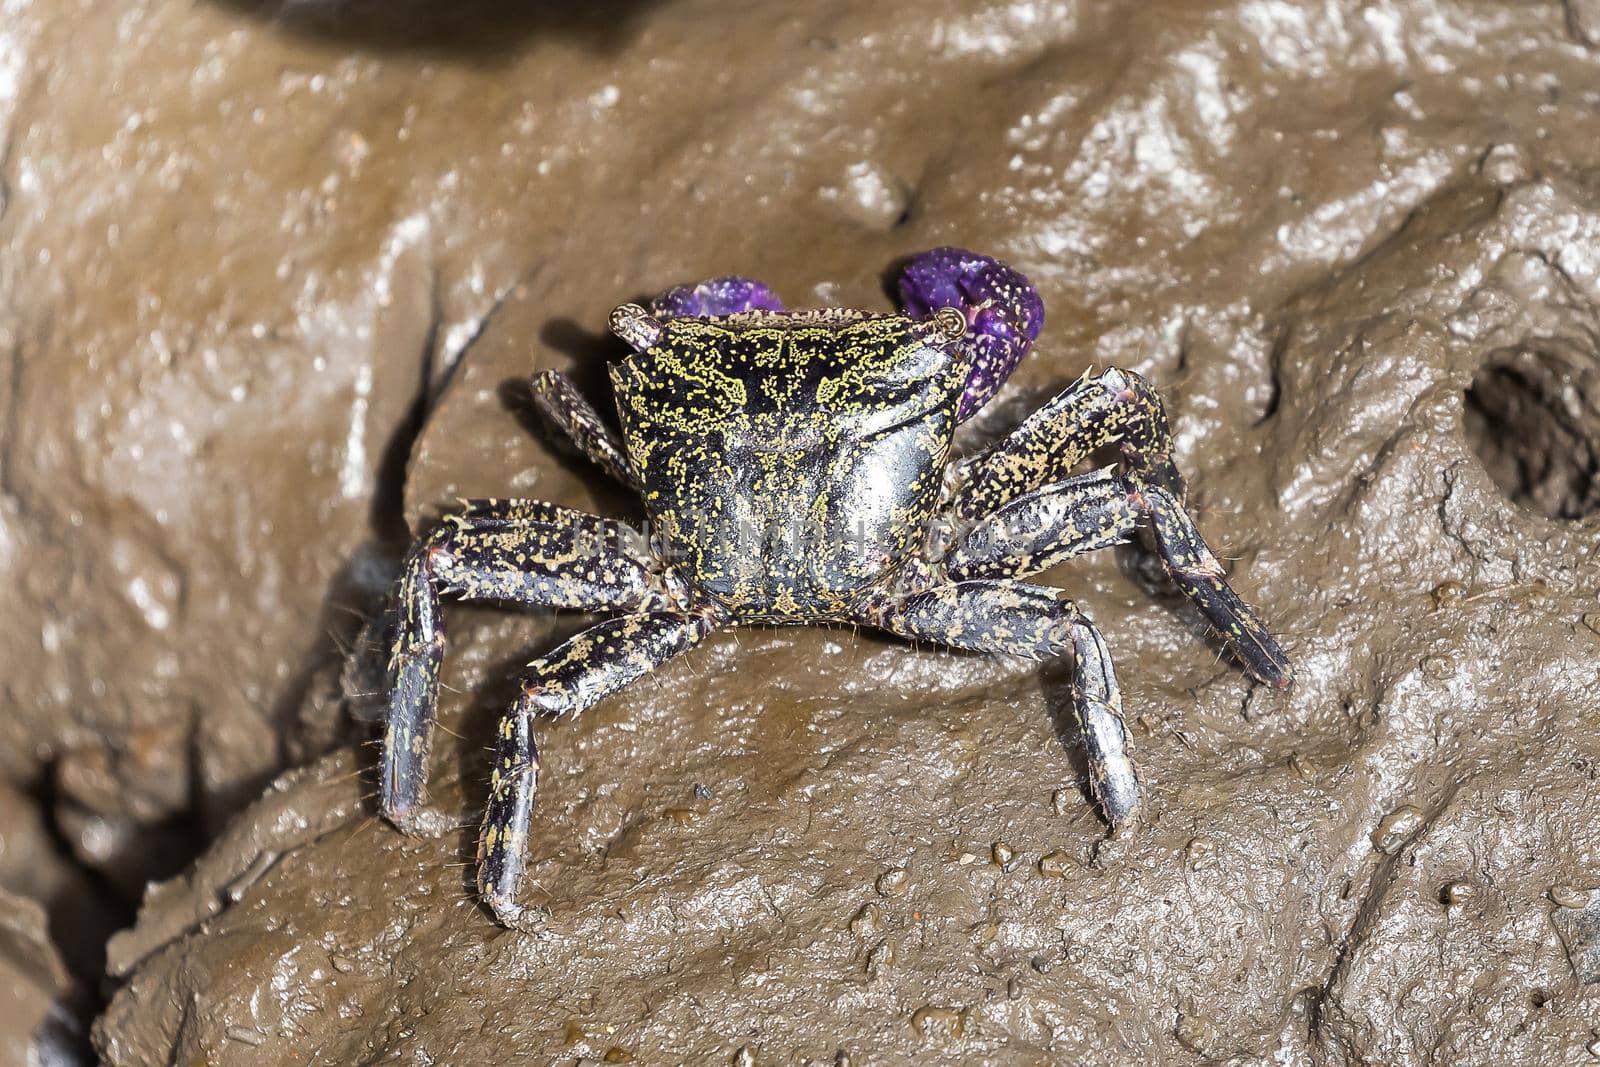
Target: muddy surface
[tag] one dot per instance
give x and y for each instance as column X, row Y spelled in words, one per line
column 270, row 278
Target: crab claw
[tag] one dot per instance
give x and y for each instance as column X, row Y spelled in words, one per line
column 1002, row 308
column 714, row 298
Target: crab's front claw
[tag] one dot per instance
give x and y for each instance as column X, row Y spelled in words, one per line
column 715, row 298
column 1002, row 307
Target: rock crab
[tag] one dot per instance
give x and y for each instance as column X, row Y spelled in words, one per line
column 796, row 467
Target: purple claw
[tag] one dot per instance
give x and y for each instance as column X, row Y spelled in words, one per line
column 716, row 297
column 1003, row 312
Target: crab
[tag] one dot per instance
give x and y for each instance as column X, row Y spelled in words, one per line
column 796, row 467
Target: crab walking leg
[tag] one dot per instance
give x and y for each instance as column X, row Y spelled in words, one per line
column 1096, row 410
column 575, row 675
column 1046, row 526
column 1119, row 406
column 1036, row 622
column 1195, row 571
column 1040, row 529
column 517, row 551
column 564, row 407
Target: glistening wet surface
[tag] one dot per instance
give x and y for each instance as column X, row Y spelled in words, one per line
column 270, row 277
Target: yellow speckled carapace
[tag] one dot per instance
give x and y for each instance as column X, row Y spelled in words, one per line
column 790, row 460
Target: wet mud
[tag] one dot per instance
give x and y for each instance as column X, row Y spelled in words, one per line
column 271, row 278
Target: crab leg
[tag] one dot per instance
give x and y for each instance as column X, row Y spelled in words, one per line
column 1039, row 529
column 1196, row 572
column 1096, row 410
column 564, row 407
column 1035, row 622
column 516, row 551
column 1047, row 526
column 1020, row 478
column 572, row 677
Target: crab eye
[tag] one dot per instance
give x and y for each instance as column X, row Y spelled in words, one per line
column 636, row 326
column 951, row 322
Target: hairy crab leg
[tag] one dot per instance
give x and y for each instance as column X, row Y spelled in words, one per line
column 572, row 677
column 1047, row 526
column 1096, row 410
column 1036, row 622
column 564, row 407
column 515, row 551
column 1115, row 406
column 1196, row 572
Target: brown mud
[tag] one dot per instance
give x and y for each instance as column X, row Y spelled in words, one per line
column 270, row 278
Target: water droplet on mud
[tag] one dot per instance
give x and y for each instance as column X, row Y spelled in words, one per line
column 1195, row 1033
column 246, row 1036
column 1439, row 668
column 1396, row 829
column 1568, row 896
column 1055, row 864
column 867, row 922
column 938, row 1024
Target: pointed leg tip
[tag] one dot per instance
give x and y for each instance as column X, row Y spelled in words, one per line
column 400, row 815
column 1271, row 670
column 1121, row 802
column 1123, row 819
column 506, row 911
column 418, row 821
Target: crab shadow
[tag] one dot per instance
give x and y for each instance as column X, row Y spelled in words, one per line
column 589, row 354
column 1055, row 683
column 466, row 30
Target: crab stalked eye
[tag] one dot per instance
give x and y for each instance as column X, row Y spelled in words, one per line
column 952, row 323
column 641, row 330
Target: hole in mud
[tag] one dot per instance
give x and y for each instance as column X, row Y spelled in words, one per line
column 1533, row 417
